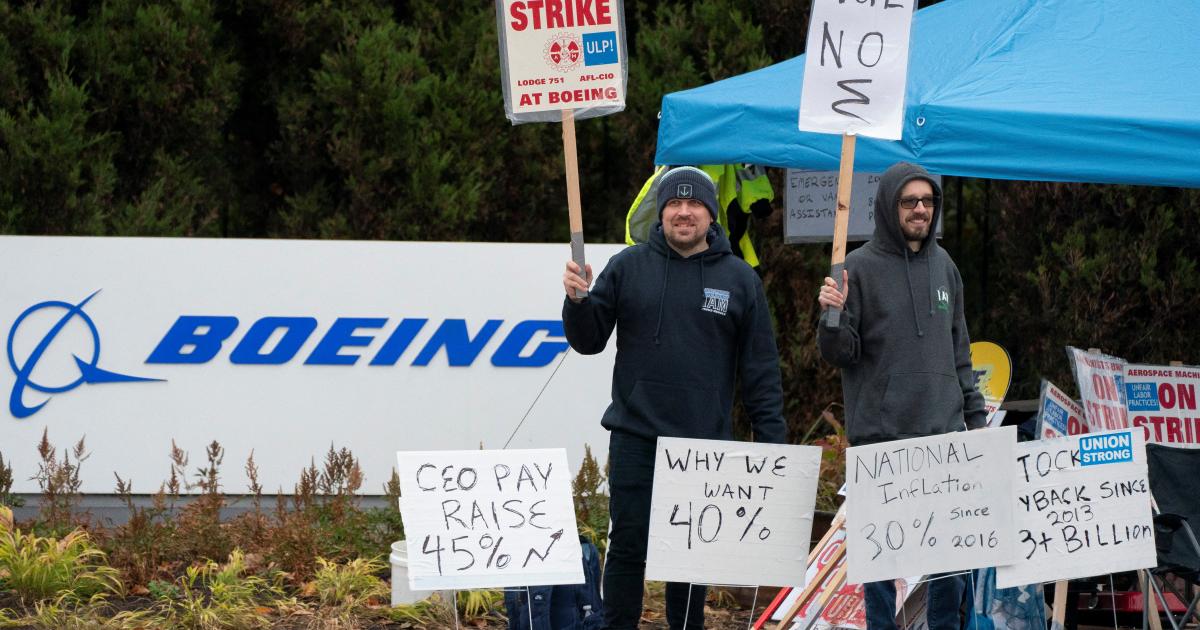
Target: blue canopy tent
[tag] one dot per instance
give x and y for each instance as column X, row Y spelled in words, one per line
column 1056, row 90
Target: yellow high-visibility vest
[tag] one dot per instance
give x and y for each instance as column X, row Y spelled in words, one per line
column 748, row 185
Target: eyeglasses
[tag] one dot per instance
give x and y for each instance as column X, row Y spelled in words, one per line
column 908, row 203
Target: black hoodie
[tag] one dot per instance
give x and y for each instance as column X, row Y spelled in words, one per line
column 686, row 327
column 903, row 345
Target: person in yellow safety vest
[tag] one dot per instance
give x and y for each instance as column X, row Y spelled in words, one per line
column 741, row 191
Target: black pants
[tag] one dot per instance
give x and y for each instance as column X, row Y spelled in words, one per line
column 630, row 482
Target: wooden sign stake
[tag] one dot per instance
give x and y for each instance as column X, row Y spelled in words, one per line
column 841, row 222
column 574, row 209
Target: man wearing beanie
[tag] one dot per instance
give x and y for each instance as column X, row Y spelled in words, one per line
column 903, row 348
column 690, row 318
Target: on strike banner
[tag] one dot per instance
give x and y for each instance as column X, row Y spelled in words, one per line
column 485, row 519
column 930, row 505
column 856, row 67
column 1162, row 400
column 1100, row 377
column 1082, row 508
column 731, row 512
column 1058, row 415
column 562, row 54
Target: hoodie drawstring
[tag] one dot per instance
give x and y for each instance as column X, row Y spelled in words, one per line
column 929, row 274
column 662, row 298
column 912, row 298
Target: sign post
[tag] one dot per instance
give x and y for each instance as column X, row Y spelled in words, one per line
column 855, row 73
column 563, row 61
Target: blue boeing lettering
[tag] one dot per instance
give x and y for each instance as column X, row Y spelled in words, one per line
column 340, row 335
column 195, row 339
column 296, row 332
column 274, row 340
column 461, row 349
column 509, row 352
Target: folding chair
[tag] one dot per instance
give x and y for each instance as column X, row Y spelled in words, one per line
column 1175, row 484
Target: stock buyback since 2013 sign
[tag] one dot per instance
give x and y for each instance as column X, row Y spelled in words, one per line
column 485, row 519
column 1082, row 508
column 731, row 512
column 562, row 54
column 929, row 505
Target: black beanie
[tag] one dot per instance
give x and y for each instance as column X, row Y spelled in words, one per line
column 687, row 182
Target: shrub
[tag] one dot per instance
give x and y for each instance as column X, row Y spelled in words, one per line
column 6, row 480
column 217, row 596
column 37, row 569
column 591, row 504
column 59, row 483
column 351, row 585
column 142, row 545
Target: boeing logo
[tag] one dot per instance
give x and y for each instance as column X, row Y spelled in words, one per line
column 89, row 371
column 272, row 340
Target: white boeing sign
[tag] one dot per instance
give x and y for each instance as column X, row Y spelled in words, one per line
column 285, row 348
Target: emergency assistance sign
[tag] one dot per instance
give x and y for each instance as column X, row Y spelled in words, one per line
column 562, row 54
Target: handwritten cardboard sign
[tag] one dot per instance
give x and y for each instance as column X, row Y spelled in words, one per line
column 1162, row 400
column 1058, row 415
column 929, row 505
column 731, row 512
column 811, row 202
column 483, row 519
column 1100, row 378
column 1082, row 508
column 856, row 67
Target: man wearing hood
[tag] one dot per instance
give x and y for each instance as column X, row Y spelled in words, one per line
column 903, row 348
column 691, row 318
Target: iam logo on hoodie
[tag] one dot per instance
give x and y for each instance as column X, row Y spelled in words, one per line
column 715, row 301
column 943, row 299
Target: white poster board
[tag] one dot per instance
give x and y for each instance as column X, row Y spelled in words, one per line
column 1082, row 508
column 486, row 519
column 556, row 56
column 1101, row 390
column 930, row 505
column 1058, row 415
column 811, row 202
column 856, row 67
column 731, row 512
column 1162, row 400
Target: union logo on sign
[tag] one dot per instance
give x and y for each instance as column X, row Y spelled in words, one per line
column 563, row 52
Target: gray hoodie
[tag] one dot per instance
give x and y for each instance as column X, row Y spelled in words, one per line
column 903, row 345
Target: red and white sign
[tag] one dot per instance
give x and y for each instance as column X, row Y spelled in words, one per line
column 1162, row 400
column 562, row 54
column 1099, row 378
column 1058, row 414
